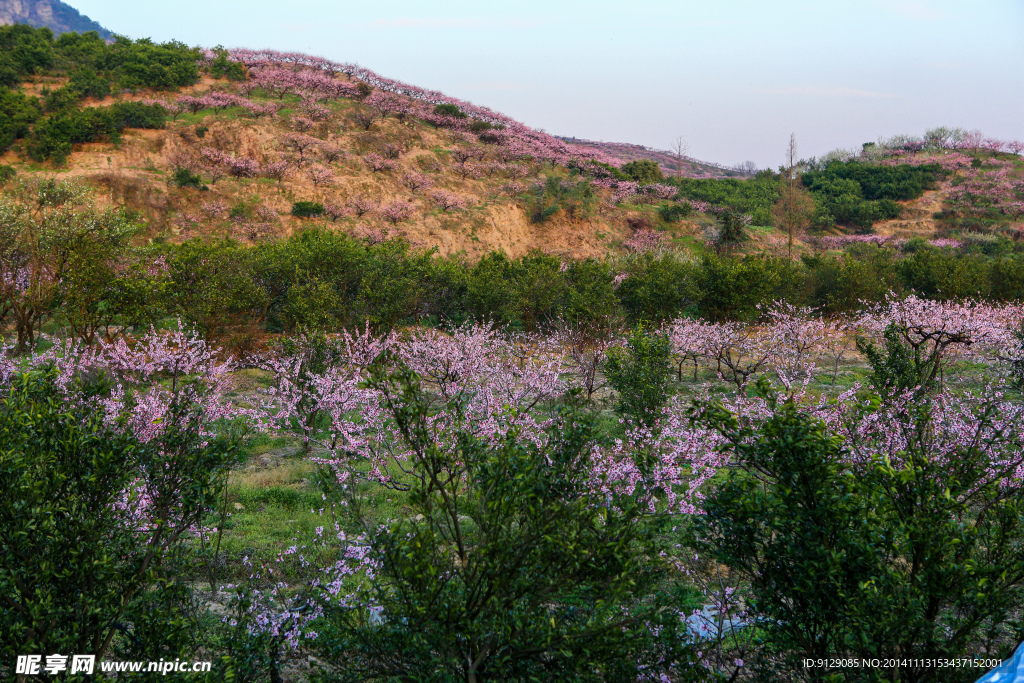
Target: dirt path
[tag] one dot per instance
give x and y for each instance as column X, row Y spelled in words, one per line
column 917, row 217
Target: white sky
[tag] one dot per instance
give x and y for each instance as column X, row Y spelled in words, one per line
column 733, row 77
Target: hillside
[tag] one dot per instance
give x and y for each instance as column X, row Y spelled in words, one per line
column 53, row 14
column 266, row 130
column 623, row 152
column 256, row 145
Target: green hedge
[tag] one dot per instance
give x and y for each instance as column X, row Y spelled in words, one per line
column 858, row 194
column 323, row 279
column 54, row 135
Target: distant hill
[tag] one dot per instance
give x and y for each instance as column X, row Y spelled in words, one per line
column 625, row 152
column 55, row 15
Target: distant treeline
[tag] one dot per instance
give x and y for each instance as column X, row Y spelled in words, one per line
column 328, row 280
column 850, row 193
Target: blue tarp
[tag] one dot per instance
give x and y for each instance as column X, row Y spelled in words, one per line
column 1010, row 671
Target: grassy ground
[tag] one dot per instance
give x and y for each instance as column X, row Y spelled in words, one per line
column 275, row 499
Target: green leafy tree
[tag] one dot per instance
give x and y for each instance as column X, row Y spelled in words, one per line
column 47, row 228
column 795, row 207
column 539, row 287
column 899, row 367
column 839, row 284
column 640, row 373
column 914, row 558
column 87, row 297
column 575, row 199
column 511, row 567
column 213, row 287
column 732, row 288
column 224, row 67
column 78, row 572
column 732, row 230
column 944, row 275
column 643, row 171
column 449, row 109
column 659, row 288
column 87, row 83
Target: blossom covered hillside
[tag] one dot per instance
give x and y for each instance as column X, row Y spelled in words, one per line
column 260, row 131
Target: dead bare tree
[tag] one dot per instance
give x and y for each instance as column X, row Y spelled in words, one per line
column 680, row 148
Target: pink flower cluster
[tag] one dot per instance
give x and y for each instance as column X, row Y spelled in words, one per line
column 983, row 190
column 843, row 241
column 217, row 101
column 448, row 201
column 239, row 167
column 645, row 240
column 396, row 212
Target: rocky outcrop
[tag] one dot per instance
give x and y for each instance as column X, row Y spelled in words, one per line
column 60, row 18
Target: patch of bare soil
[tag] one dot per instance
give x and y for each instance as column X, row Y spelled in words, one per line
column 917, row 219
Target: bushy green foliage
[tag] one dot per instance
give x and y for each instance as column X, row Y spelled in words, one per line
column 533, row 285
column 321, row 274
column 1006, row 278
column 213, row 287
column 863, row 560
column 224, row 67
column 53, row 136
column 24, row 51
column 858, row 194
column 77, row 575
column 145, row 64
column 137, row 115
column 732, row 230
column 186, row 178
column 88, row 58
column 589, row 296
column 753, row 197
column 326, row 280
column 673, row 213
column 59, row 100
column 46, row 226
column 448, row 109
column 306, row 209
column 659, row 288
column 733, row 288
column 898, row 182
column 17, row 114
column 643, row 171
column 838, row 284
column 94, row 69
column 941, row 274
column 898, row 368
column 535, row 290
column 542, row 576
column 87, row 83
column 640, row 372
column 574, row 197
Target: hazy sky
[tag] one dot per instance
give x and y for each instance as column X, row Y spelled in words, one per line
column 733, row 77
